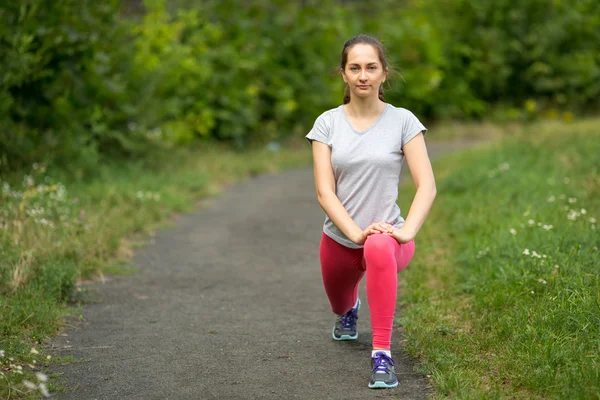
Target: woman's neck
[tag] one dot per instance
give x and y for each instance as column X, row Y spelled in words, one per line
column 364, row 107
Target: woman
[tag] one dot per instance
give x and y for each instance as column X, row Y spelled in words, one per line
column 358, row 150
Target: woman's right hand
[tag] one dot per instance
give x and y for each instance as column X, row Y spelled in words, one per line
column 378, row 227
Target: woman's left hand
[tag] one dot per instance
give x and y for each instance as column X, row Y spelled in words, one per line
column 401, row 235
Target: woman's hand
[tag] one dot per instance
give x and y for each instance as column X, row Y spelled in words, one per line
column 401, row 235
column 378, row 227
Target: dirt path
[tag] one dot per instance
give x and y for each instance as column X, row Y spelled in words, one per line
column 228, row 304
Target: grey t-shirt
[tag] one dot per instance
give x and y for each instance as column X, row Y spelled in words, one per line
column 366, row 165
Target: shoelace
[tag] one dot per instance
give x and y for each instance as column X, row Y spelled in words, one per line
column 381, row 362
column 349, row 319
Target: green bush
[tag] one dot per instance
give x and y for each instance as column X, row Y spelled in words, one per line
column 81, row 82
column 61, row 91
column 511, row 52
column 260, row 77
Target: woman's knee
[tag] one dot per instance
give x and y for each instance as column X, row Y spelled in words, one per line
column 379, row 246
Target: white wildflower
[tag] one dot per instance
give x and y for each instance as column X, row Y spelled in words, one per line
column 34, row 351
column 28, row 181
column 1, row 353
column 44, row 390
column 583, row 211
column 526, row 252
column 512, row 231
column 539, row 224
column 548, row 227
column 504, row 167
column 556, row 266
column 41, row 377
column 483, row 252
column 573, row 215
column 29, row 385
column 572, row 200
column 540, row 280
column 526, row 213
column 592, row 220
column 565, row 208
column 492, row 174
column 566, row 181
column 551, row 199
column 531, row 222
column 532, row 292
column 562, row 197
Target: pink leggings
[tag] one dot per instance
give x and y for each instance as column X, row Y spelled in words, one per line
column 382, row 257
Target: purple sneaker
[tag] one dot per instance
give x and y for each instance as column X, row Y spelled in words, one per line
column 345, row 325
column 383, row 374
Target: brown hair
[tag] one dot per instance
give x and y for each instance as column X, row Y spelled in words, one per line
column 363, row 39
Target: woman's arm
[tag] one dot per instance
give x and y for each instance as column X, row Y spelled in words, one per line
column 325, row 185
column 416, row 155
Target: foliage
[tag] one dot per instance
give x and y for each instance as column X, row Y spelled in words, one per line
column 512, row 52
column 82, row 83
column 61, row 92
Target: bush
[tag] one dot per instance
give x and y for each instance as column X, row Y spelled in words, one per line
column 512, row 52
column 81, row 83
column 61, row 93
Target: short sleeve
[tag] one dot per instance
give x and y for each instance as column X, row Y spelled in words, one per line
column 412, row 127
column 320, row 130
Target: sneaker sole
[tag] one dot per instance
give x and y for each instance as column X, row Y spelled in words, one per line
column 343, row 337
column 346, row 337
column 382, row 385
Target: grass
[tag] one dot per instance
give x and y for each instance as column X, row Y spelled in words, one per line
column 57, row 229
column 502, row 300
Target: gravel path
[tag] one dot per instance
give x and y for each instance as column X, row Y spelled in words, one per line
column 228, row 304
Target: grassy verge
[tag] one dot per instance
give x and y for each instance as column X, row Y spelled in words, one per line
column 503, row 298
column 55, row 231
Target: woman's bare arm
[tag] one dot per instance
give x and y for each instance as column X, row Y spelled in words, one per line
column 417, row 158
column 325, row 185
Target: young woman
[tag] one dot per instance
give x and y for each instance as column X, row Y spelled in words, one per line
column 358, row 150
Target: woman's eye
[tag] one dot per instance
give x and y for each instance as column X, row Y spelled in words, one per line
column 353, row 69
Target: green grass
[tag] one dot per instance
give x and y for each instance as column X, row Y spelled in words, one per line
column 487, row 316
column 57, row 229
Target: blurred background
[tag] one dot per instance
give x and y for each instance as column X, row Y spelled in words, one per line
column 86, row 80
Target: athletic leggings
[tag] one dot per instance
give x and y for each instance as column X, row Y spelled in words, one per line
column 382, row 257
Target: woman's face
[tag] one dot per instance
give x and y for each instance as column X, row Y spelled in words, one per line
column 364, row 72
